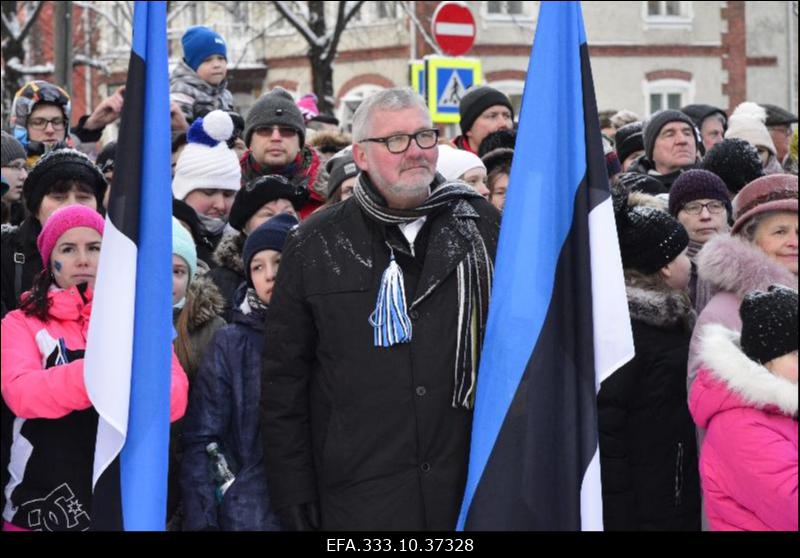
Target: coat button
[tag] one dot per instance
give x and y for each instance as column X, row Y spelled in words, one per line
column 426, row 467
column 414, row 315
column 421, row 390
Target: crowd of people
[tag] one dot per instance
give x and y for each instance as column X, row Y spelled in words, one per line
column 340, row 389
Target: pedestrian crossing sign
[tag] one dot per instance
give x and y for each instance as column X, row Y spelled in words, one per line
column 447, row 80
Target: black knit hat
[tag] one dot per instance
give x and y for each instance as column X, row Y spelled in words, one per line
column 628, row 140
column 776, row 116
column 698, row 113
column 653, row 126
column 275, row 108
column 769, row 323
column 477, row 100
column 649, row 238
column 638, row 182
column 735, row 161
column 498, row 157
column 270, row 235
column 264, row 189
column 61, row 164
column 11, row 149
column 339, row 169
column 698, row 184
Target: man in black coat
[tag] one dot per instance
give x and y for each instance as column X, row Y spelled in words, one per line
column 371, row 346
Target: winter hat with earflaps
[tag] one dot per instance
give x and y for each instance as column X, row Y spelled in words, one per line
column 206, row 161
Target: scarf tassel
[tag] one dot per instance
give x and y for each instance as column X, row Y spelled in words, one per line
column 390, row 320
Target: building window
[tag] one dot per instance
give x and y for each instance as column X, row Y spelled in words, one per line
column 504, row 8
column 667, row 14
column 509, row 12
column 375, row 13
column 667, row 94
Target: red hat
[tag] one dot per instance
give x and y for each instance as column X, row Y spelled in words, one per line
column 774, row 192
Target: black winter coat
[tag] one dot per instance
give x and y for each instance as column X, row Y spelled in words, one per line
column 19, row 251
column 648, row 453
column 367, row 432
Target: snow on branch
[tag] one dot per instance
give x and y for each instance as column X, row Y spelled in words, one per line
column 301, row 25
column 17, row 31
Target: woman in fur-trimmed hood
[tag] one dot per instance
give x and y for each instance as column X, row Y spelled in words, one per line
column 648, row 452
column 745, row 398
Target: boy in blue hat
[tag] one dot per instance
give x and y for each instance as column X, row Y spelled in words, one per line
column 198, row 83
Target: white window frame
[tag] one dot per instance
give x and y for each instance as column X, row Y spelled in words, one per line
column 368, row 16
column 358, row 93
column 666, row 86
column 525, row 18
column 681, row 21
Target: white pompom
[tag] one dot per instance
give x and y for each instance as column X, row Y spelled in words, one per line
column 218, row 125
column 751, row 110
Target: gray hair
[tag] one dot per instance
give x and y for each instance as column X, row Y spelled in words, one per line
column 748, row 231
column 623, row 117
column 397, row 98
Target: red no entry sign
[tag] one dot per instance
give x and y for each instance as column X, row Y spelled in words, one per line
column 453, row 28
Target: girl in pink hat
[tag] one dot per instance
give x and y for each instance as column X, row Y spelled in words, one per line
column 43, row 343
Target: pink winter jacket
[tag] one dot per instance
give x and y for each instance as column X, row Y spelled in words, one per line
column 748, row 460
column 33, row 390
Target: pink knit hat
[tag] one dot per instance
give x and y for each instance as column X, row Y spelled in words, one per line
column 774, row 192
column 308, row 106
column 61, row 221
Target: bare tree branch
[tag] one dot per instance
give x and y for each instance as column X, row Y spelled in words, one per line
column 297, row 23
column 93, row 7
column 14, row 30
column 341, row 23
column 428, row 39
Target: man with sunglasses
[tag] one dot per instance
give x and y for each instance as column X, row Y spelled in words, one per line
column 375, row 329
column 274, row 133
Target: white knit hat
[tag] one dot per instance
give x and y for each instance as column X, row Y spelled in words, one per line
column 748, row 123
column 206, row 161
column 453, row 163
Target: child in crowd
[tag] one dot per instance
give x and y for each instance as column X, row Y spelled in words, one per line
column 225, row 399
column 198, row 83
column 745, row 397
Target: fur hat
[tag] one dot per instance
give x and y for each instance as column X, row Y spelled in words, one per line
column 61, row 164
column 262, row 190
column 275, row 108
column 769, row 323
column 495, row 140
column 697, row 184
column 11, row 149
column 652, row 127
column 62, row 220
column 270, row 235
column 477, row 100
column 183, row 246
column 748, row 123
column 199, row 43
column 649, row 238
column 774, row 192
column 206, row 161
column 735, row 161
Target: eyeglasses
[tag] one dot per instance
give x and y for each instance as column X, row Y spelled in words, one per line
column 41, row 123
column 399, row 143
column 284, row 131
column 696, row 208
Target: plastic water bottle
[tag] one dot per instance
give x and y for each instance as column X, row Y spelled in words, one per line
column 223, row 476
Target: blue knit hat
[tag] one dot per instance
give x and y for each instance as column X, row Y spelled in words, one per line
column 183, row 246
column 270, row 235
column 201, row 42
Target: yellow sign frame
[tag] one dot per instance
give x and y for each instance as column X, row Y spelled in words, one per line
column 434, row 63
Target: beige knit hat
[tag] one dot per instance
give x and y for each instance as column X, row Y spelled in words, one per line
column 747, row 123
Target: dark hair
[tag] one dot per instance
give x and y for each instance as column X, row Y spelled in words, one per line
column 37, row 303
column 605, row 118
column 5, row 212
column 497, row 171
column 64, row 185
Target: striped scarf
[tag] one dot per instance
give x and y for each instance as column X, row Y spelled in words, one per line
column 474, row 273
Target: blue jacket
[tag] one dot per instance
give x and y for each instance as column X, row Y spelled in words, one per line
column 224, row 408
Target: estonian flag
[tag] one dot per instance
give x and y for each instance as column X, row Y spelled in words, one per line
column 129, row 348
column 558, row 322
